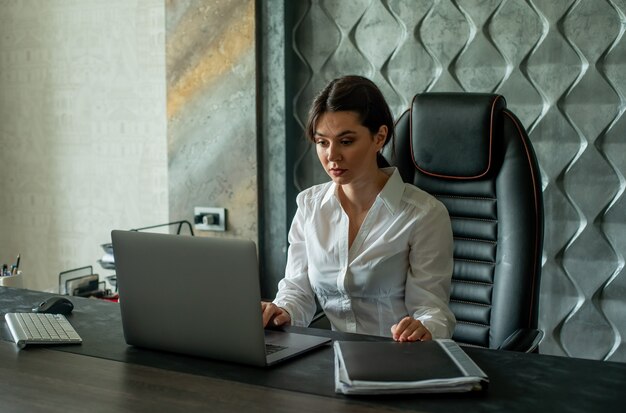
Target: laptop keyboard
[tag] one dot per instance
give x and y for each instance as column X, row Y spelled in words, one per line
column 273, row 348
column 40, row 328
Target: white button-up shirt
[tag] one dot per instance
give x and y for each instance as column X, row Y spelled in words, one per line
column 399, row 264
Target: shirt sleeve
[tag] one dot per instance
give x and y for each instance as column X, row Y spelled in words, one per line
column 427, row 292
column 295, row 294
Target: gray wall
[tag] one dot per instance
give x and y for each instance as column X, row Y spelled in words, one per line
column 559, row 63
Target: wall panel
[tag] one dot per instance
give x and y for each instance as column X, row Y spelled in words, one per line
column 211, row 111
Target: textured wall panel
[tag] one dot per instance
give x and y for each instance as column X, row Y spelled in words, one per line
column 560, row 65
column 211, row 111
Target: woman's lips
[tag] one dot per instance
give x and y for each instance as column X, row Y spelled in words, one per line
column 337, row 171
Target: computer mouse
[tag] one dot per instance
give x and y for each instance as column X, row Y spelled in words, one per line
column 54, row 305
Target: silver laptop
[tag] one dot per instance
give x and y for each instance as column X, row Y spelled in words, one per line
column 198, row 296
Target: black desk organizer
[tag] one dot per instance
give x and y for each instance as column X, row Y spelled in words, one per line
column 82, row 282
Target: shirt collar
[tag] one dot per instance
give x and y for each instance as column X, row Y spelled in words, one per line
column 330, row 193
column 391, row 194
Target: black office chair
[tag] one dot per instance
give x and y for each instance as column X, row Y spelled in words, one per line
column 474, row 155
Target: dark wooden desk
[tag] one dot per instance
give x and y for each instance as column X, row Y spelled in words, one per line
column 104, row 374
column 44, row 380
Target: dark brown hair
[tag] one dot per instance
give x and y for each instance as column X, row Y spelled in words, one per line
column 355, row 94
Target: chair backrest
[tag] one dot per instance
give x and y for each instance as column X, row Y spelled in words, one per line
column 473, row 154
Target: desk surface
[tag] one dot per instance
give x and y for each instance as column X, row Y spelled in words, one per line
column 105, row 372
column 45, row 380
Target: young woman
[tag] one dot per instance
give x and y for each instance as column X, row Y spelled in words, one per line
column 375, row 251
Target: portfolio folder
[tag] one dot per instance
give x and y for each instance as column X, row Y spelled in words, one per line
column 387, row 367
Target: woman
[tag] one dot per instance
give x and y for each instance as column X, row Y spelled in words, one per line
column 376, row 252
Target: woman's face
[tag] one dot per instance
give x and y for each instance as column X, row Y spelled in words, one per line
column 347, row 149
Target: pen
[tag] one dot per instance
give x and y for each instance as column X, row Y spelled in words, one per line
column 15, row 266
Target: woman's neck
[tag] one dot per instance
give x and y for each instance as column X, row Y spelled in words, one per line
column 356, row 201
column 359, row 197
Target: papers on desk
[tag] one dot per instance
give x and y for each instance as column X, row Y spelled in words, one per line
column 388, row 367
column 108, row 260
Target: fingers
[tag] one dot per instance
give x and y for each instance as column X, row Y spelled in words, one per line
column 409, row 329
column 282, row 318
column 268, row 310
column 274, row 314
column 403, row 328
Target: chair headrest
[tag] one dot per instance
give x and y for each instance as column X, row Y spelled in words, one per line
column 452, row 133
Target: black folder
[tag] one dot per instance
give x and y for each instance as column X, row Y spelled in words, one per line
column 386, row 367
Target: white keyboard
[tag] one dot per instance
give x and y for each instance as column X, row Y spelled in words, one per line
column 40, row 328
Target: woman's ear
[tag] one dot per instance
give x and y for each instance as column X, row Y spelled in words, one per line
column 381, row 136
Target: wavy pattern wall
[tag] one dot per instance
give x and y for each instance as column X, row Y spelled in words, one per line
column 560, row 65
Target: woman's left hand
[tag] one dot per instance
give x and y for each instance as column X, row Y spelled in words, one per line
column 410, row 329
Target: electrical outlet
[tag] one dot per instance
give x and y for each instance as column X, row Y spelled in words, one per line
column 209, row 219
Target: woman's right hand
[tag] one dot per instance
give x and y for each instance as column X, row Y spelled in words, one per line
column 275, row 315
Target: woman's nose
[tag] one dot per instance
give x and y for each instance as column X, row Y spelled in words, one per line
column 334, row 154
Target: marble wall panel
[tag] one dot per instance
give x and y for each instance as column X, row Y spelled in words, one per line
column 211, row 111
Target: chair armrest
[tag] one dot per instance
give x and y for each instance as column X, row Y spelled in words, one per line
column 523, row 340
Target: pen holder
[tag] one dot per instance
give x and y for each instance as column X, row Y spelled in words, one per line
column 15, row 281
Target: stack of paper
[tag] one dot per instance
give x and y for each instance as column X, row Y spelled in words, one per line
column 388, row 367
column 107, row 261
